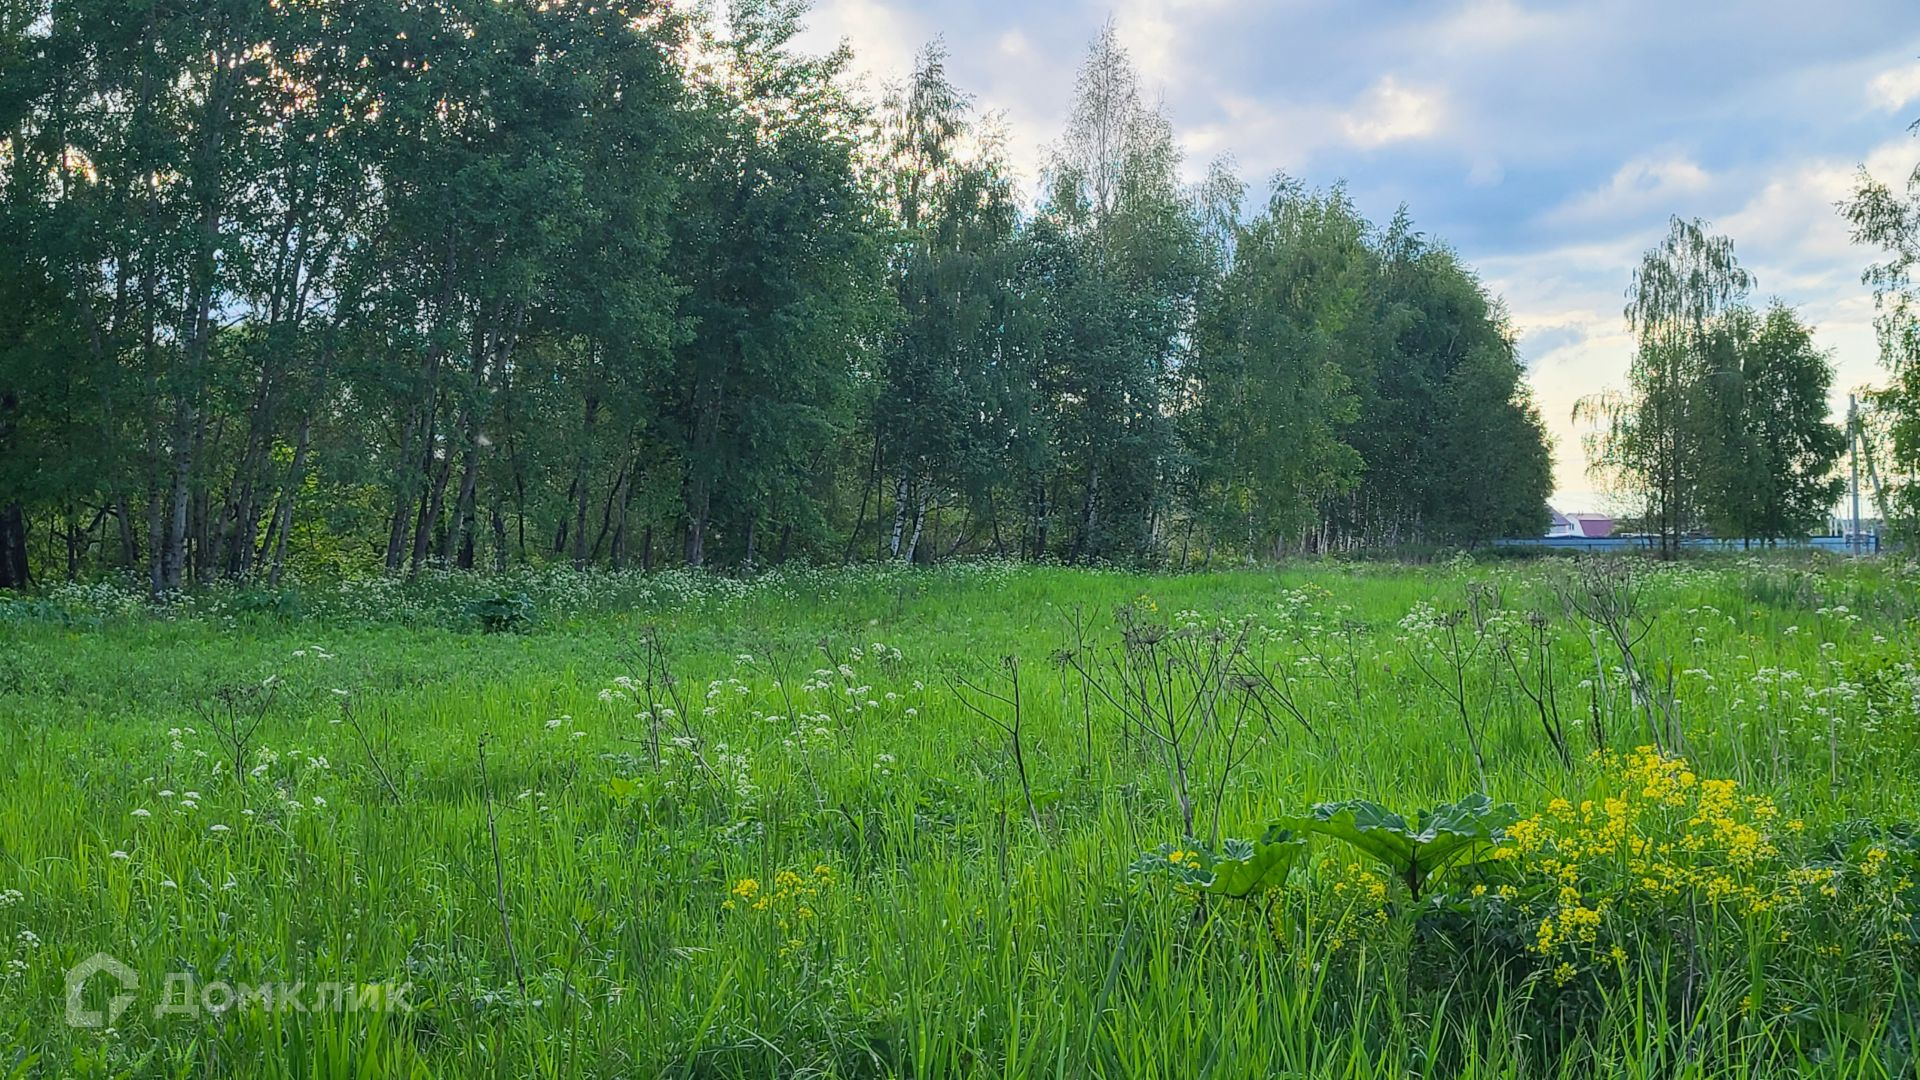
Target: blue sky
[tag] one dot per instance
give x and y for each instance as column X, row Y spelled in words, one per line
column 1547, row 142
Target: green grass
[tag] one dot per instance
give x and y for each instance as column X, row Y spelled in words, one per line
column 946, row 934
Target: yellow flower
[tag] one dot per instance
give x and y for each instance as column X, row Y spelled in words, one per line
column 1874, row 862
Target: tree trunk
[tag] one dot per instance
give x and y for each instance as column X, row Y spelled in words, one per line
column 129, row 540
column 899, row 516
column 13, row 547
column 617, row 550
column 610, row 513
column 456, row 543
column 1089, row 515
column 172, row 554
column 432, row 502
column 412, row 468
column 699, row 504
column 919, row 525
column 866, row 494
column 582, row 464
column 499, row 539
column 241, row 515
column 282, row 522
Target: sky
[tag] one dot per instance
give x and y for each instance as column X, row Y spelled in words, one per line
column 1548, row 143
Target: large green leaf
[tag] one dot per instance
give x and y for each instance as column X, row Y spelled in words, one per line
column 1450, row 835
column 1240, row 870
column 1248, row 867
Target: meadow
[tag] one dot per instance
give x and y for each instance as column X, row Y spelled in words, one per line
column 975, row 820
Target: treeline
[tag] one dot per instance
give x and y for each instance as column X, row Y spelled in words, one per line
column 327, row 284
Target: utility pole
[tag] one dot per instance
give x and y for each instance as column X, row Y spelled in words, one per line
column 1853, row 452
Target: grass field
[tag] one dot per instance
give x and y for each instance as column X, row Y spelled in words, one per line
column 685, row 826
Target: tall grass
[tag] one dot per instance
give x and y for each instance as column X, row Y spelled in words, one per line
column 923, row 902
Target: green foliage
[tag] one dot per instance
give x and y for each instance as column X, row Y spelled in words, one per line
column 414, row 291
column 948, row 933
column 1274, row 395
column 1724, row 423
column 1771, row 472
column 1888, row 220
column 1240, row 870
column 1450, row 837
column 279, row 603
column 503, row 613
column 1654, row 440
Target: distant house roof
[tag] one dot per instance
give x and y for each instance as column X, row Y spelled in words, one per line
column 1593, row 526
column 1558, row 520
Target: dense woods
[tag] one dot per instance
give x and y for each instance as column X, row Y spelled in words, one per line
column 323, row 285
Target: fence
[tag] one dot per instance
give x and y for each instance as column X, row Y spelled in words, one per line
column 1839, row 545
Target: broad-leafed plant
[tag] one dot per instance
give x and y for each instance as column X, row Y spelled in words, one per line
column 1240, row 870
column 1450, row 837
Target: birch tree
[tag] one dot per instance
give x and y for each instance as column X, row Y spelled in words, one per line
column 1655, row 438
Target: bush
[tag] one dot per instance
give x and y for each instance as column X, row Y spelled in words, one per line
column 503, row 613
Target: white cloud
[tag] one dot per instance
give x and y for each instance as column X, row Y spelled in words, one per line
column 1158, row 35
column 1790, row 234
column 1391, row 112
column 1566, row 300
column 1486, row 171
column 1014, row 45
column 1893, row 90
column 1267, row 135
column 1646, row 184
column 1497, row 25
column 884, row 38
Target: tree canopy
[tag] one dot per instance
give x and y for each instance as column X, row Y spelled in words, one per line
column 1724, row 426
column 318, row 285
